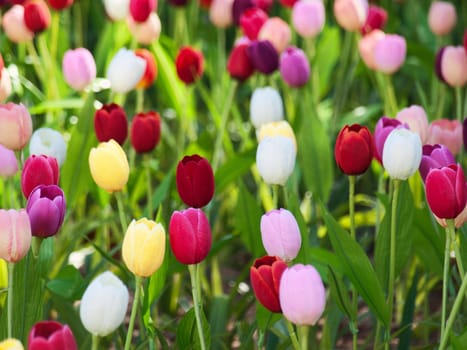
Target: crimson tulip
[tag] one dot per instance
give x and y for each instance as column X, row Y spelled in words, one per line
column 251, row 22
column 110, row 123
column 354, row 149
column 60, row 4
column 36, row 15
column 376, row 19
column 141, row 9
column 189, row 64
column 434, row 156
column 145, row 131
column 265, row 276
column 239, row 64
column 288, row 3
column 39, row 170
column 190, row 235
column 51, row 335
column 263, row 56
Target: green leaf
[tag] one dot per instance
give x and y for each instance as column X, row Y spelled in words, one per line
column 408, row 314
column 187, row 333
column 329, row 51
column 459, row 342
column 234, row 168
column 339, row 294
column 218, row 319
column 68, row 284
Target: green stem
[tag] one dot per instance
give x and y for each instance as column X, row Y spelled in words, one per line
column 377, row 335
column 450, row 230
column 121, row 212
column 11, row 268
column 344, row 62
column 54, row 34
column 36, row 61
column 275, row 196
column 139, row 100
column 390, row 96
column 134, row 309
column 447, row 251
column 148, row 185
column 353, row 234
column 293, row 336
column 95, row 342
column 460, row 117
column 195, row 289
column 303, row 333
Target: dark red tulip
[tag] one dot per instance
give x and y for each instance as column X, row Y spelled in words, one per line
column 60, row 4
column 36, row 15
column 195, row 181
column 354, row 149
column 189, row 64
column 265, row 276
column 239, row 64
column 263, row 56
column 178, row 3
column 238, row 7
column 376, row 19
column 141, row 9
column 190, row 235
column 110, row 123
column 51, row 335
column 445, row 191
column 434, row 156
column 39, row 170
column 145, row 131
column 251, row 22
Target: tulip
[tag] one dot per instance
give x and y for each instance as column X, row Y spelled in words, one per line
column 434, row 156
column 117, row 9
column 275, row 159
column 402, row 153
column 79, row 68
column 11, row 344
column 442, row 17
column 51, row 335
column 288, row 3
column 60, row 4
column 366, row 47
column 376, row 19
column 354, row 149
column 308, row 17
column 459, row 220
column 16, row 126
column 46, row 209
column 110, row 123
column 39, row 170
column 280, row 234
column 451, row 65
column 145, row 131
column 239, row 64
column 264, row 5
column 109, row 166
column 15, row 234
column 146, row 32
column 8, row 162
column 14, row 27
column 195, row 181
column 48, row 142
column 294, row 67
column 281, row 127
column 205, row 4
column 277, row 31
column 464, row 133
column 251, row 22
column 36, row 15
column 150, row 73
column 239, row 7
column 220, row 13
column 302, row 294
column 266, row 106
column 189, row 64
column 143, row 247
column 383, row 128
column 265, row 276
column 263, row 56
column 104, row 304
column 446, row 132
column 5, row 85
column 178, row 2
column 351, row 14
column 141, row 9
column 389, row 53
column 125, row 71
column 465, row 41
column 190, row 236
column 415, row 118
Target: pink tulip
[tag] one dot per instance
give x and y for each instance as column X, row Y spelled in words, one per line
column 451, row 65
column 8, row 162
column 366, row 47
column 442, row 17
column 16, row 125
column 351, row 14
column 459, row 220
column 415, row 117
column 277, row 31
column 389, row 53
column 446, row 132
column 251, row 22
column 15, row 234
column 146, row 32
column 376, row 19
column 79, row 68
column 308, row 17
column 220, row 13
column 5, row 85
column 14, row 26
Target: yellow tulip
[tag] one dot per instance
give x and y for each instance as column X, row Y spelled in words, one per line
column 11, row 344
column 109, row 166
column 143, row 247
column 281, row 128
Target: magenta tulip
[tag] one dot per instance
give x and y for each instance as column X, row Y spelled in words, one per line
column 376, row 19
column 51, row 335
column 294, row 67
column 434, row 156
column 39, row 170
column 383, row 128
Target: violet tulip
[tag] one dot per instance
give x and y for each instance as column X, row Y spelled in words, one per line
column 79, row 68
column 446, row 132
column 46, row 209
column 190, row 236
column 434, row 156
column 442, row 17
column 415, row 118
column 51, row 335
column 389, row 53
column 145, row 131
column 265, row 276
column 238, row 7
column 239, row 64
column 8, row 162
column 36, row 15
column 39, row 170
column 383, row 128
column 263, row 56
column 351, row 14
column 251, row 22
column 110, row 123
column 141, row 9
column 50, row 143
column 451, row 65
column 308, row 17
column 16, row 126
column 189, row 64
column 294, row 67
column 15, row 234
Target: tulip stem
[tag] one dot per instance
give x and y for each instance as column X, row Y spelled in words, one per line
column 447, row 251
column 121, row 212
column 303, row 333
column 149, row 185
column 460, row 117
column 11, row 268
column 134, row 309
column 293, row 336
column 352, row 179
column 95, row 342
column 451, row 231
column 195, row 289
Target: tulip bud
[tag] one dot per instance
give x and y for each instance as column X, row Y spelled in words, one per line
column 150, row 73
column 189, row 64
column 351, row 14
column 265, row 276
column 79, row 68
column 366, row 47
column 275, row 159
column 117, row 9
column 308, row 17
column 195, row 181
column 302, row 294
column 14, row 27
column 442, row 17
column 263, row 56
column 451, row 65
column 145, row 131
column 239, row 7
column 416, row 119
column 125, row 71
column 376, row 19
column 60, row 4
column 434, row 156
column 220, row 13
column 402, row 153
column 51, row 335
column 446, row 132
column 145, row 32
column 46, row 209
column 354, row 149
column 383, row 128
column 104, row 304
column 239, row 64
column 251, row 22
column 48, row 142
column 389, row 53
column 16, row 126
column 8, row 162
column 11, row 344
column 265, row 106
column 280, row 234
column 294, row 67
column 110, row 123
column 15, row 234
column 277, row 31
column 281, row 127
column 36, row 15
column 39, row 170
column 190, row 235
column 5, row 85
column 141, row 9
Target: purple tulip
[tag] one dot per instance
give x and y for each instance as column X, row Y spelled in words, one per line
column 383, row 128
column 294, row 67
column 435, row 156
column 46, row 210
column 264, row 56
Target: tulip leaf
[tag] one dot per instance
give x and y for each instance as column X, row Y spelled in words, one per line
column 233, row 168
column 339, row 294
column 329, row 49
column 187, row 333
column 357, row 267
column 68, row 284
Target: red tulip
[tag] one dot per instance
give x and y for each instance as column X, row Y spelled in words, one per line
column 36, row 15
column 445, row 191
column 288, row 3
column 190, row 235
column 354, row 149
column 195, row 181
column 110, row 123
column 145, row 131
column 141, row 9
column 60, row 4
column 239, row 64
column 265, row 276
column 51, row 335
column 150, row 73
column 39, row 170
column 189, row 64
column 376, row 19
column 251, row 22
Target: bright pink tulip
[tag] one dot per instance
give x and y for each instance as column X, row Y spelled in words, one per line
column 415, row 117
column 389, row 53
column 141, row 9
column 308, row 17
column 251, row 22
column 277, row 31
column 8, row 162
column 351, row 14
column 376, row 19
column 15, row 234
column 79, row 68
column 451, row 65
column 16, row 126
column 434, row 156
column 294, row 67
column 446, row 132
column 238, row 7
column 39, row 170
column 14, row 27
column 442, row 17
column 51, row 335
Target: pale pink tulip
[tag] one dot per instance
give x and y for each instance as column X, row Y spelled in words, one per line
column 15, row 234
column 16, row 125
column 8, row 162
column 351, row 14
column 145, row 32
column 220, row 13
column 454, row 66
column 5, row 85
column 366, row 47
column 277, row 31
column 415, row 117
column 79, row 68
column 442, row 17
column 308, row 17
column 446, row 132
column 14, row 26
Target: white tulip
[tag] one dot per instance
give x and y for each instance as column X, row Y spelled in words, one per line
column 125, row 71
column 266, row 106
column 49, row 142
column 104, row 304
column 275, row 159
column 402, row 153
column 117, row 9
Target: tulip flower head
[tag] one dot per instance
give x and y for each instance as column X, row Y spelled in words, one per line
column 189, row 64
column 383, row 128
column 277, row 32
column 281, row 127
column 266, row 106
column 8, row 162
column 366, row 47
column 265, row 276
column 275, row 159
column 11, row 344
column 125, row 71
column 251, row 22
column 389, row 53
column 39, row 170
column 294, row 67
column 434, row 156
column 5, row 85
column 141, row 9
column 16, row 126
column 15, row 234
column 117, row 9
column 376, row 19
column 60, row 4
column 351, row 14
column 415, row 118
column 145, row 32
column 145, row 131
column 110, row 123
column 79, row 68
column 36, row 15
column 308, row 17
column 51, row 335
column 442, row 17
column 446, row 132
column 239, row 7
column 150, row 73
column 220, row 13
column 239, row 64
column 451, row 65
column 14, row 27
column 288, row 3
column 263, row 56
column 48, row 142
